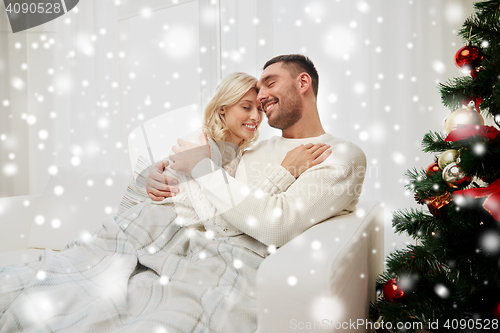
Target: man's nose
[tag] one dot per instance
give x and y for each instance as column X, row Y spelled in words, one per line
column 261, row 96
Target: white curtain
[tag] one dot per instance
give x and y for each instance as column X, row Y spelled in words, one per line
column 13, row 98
column 65, row 91
column 379, row 63
column 74, row 88
column 64, row 103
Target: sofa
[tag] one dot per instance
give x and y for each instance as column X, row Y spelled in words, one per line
column 322, row 279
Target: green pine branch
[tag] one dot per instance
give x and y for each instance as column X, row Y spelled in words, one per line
column 455, row 91
column 434, row 142
column 414, row 222
column 474, row 162
column 479, row 156
column 484, row 24
column 482, row 30
column 425, row 186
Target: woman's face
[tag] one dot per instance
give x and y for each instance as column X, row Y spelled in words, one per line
column 243, row 118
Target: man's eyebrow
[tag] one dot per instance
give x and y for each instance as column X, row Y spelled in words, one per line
column 270, row 76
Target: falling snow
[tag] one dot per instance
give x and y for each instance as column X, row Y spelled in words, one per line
column 89, row 92
column 490, row 242
column 441, row 290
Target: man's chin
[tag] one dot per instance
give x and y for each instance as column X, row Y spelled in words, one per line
column 275, row 121
column 270, row 120
column 274, row 124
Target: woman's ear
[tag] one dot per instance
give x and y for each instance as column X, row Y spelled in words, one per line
column 222, row 111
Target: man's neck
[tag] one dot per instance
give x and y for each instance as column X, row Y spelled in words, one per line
column 302, row 133
column 308, row 126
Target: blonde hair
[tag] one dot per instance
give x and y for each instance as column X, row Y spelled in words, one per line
column 229, row 91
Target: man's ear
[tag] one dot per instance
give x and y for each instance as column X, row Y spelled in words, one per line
column 305, row 82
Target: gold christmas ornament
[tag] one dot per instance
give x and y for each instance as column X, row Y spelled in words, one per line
column 447, row 157
column 440, row 201
column 465, row 116
column 455, row 177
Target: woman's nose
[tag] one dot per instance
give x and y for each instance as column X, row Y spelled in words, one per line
column 255, row 114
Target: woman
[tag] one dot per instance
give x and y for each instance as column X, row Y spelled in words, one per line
column 231, row 121
column 142, row 273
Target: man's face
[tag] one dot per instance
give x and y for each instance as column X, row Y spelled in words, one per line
column 279, row 96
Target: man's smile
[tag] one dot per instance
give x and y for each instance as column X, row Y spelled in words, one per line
column 269, row 106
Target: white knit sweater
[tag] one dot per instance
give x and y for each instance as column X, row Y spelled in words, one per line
column 266, row 202
column 191, row 205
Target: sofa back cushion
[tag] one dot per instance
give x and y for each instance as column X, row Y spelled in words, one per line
column 73, row 203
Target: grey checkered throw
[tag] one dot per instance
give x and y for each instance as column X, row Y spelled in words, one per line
column 140, row 272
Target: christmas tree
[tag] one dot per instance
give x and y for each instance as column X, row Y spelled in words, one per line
column 449, row 280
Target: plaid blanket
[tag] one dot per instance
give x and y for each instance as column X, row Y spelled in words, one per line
column 141, row 272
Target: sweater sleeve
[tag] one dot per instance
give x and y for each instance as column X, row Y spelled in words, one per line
column 276, row 179
column 287, row 208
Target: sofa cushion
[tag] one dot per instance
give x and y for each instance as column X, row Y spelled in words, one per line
column 75, row 202
column 16, row 214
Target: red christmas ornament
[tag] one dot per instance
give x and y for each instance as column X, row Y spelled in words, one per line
column 433, row 168
column 469, row 57
column 475, row 71
column 496, row 311
column 477, row 101
column 392, row 291
column 466, row 131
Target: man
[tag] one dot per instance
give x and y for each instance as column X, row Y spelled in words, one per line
column 286, row 191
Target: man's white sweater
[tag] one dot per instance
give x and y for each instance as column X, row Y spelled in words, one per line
column 266, row 202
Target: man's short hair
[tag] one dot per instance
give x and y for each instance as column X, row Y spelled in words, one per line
column 296, row 64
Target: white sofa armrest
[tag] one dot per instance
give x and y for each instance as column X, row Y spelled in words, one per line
column 16, row 216
column 324, row 277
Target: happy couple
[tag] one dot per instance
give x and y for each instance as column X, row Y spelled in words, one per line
column 187, row 259
column 280, row 187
